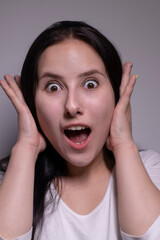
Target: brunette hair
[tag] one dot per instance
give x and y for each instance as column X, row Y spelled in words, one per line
column 50, row 165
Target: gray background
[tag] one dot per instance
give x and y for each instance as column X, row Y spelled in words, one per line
column 132, row 25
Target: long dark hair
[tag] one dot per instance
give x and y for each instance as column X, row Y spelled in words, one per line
column 50, row 165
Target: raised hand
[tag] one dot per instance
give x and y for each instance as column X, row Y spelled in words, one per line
column 121, row 128
column 28, row 133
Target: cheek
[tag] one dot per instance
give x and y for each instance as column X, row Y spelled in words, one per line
column 103, row 107
column 107, row 109
column 47, row 114
column 103, row 112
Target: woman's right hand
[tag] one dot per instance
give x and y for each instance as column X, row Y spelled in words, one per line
column 28, row 134
column 17, row 187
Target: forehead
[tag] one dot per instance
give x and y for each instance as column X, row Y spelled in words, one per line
column 70, row 54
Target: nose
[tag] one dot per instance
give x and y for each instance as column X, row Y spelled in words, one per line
column 72, row 105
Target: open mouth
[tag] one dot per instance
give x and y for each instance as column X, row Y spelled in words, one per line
column 77, row 134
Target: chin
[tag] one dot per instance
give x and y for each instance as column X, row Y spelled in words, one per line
column 80, row 161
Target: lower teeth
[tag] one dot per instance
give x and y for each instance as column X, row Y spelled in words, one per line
column 80, row 143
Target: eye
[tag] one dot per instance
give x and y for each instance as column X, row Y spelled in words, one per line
column 90, row 84
column 53, row 87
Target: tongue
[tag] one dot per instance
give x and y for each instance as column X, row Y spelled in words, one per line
column 78, row 137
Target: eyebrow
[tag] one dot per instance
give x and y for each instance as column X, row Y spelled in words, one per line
column 51, row 75
column 85, row 74
column 91, row 72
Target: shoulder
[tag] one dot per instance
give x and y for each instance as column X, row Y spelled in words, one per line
column 151, row 161
column 150, row 158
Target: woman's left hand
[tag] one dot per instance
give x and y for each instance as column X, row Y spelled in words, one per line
column 121, row 127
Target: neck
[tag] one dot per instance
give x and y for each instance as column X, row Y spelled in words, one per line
column 95, row 170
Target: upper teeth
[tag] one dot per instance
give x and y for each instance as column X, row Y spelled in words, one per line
column 76, row 128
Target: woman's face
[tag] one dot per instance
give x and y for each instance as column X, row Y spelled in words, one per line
column 74, row 101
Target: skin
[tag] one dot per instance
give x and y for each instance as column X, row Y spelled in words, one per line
column 16, row 201
column 71, row 66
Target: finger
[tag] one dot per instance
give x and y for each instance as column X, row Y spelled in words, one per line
column 108, row 144
column 17, row 79
column 126, row 75
column 13, row 85
column 17, row 102
column 129, row 115
column 125, row 99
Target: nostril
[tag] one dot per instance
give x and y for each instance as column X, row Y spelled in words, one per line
column 69, row 115
column 72, row 105
column 72, row 113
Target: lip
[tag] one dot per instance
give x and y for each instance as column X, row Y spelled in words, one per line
column 75, row 125
column 72, row 144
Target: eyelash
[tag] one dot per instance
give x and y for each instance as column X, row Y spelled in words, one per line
column 52, row 84
column 59, row 87
column 92, row 81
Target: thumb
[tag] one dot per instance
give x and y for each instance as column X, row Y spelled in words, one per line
column 108, row 143
column 42, row 143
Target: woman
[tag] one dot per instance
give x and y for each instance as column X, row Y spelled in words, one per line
column 66, row 149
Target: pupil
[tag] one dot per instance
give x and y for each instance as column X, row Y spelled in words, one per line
column 90, row 85
column 53, row 88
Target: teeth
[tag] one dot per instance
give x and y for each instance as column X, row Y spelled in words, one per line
column 79, row 143
column 73, row 128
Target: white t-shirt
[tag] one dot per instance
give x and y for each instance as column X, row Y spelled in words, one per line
column 102, row 222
